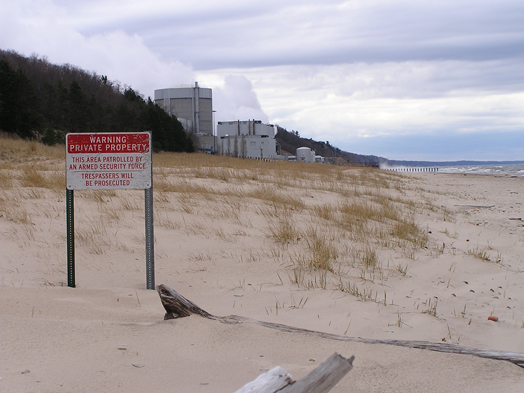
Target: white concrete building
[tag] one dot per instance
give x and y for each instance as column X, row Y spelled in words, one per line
column 249, row 139
column 246, row 127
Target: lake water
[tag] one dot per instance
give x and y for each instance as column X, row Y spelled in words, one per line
column 512, row 169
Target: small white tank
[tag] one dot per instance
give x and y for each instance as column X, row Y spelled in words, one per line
column 304, row 154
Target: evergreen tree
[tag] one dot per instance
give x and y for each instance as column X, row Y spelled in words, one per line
column 7, row 97
column 19, row 112
column 77, row 110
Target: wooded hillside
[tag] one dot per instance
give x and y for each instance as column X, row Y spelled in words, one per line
column 290, row 140
column 45, row 101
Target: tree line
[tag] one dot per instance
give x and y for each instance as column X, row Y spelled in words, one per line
column 44, row 101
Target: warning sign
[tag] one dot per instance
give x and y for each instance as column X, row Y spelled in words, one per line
column 104, row 161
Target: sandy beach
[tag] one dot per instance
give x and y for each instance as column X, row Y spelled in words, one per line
column 354, row 252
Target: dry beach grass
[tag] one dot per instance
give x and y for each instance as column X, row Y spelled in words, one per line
column 349, row 251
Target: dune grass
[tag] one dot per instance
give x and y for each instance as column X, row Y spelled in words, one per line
column 329, row 225
column 14, row 151
column 368, row 210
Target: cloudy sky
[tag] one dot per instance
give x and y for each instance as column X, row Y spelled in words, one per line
column 402, row 79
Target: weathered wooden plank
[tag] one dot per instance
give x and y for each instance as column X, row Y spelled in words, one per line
column 475, row 206
column 177, row 306
column 270, row 382
column 513, row 357
column 324, row 377
column 320, row 380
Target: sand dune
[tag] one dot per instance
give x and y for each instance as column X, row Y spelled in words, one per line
column 348, row 251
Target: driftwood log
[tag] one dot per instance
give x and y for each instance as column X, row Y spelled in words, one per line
column 324, row 377
column 177, row 306
column 320, row 380
column 270, row 382
column 475, row 206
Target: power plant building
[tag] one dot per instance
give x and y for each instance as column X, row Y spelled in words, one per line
column 193, row 106
column 248, row 139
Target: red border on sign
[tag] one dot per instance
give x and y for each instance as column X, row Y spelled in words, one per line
column 108, row 143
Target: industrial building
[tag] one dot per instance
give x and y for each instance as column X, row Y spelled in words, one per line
column 248, row 127
column 305, row 154
column 248, row 139
column 193, row 106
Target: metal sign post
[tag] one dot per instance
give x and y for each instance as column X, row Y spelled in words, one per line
column 150, row 252
column 70, row 212
column 109, row 161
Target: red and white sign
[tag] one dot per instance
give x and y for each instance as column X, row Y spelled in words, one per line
column 103, row 161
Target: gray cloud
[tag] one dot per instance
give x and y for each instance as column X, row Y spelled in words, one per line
column 337, row 32
column 211, row 34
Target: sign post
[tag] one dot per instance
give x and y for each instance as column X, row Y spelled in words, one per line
column 70, row 214
column 109, row 161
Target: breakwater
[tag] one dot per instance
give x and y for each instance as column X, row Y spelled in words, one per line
column 411, row 169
